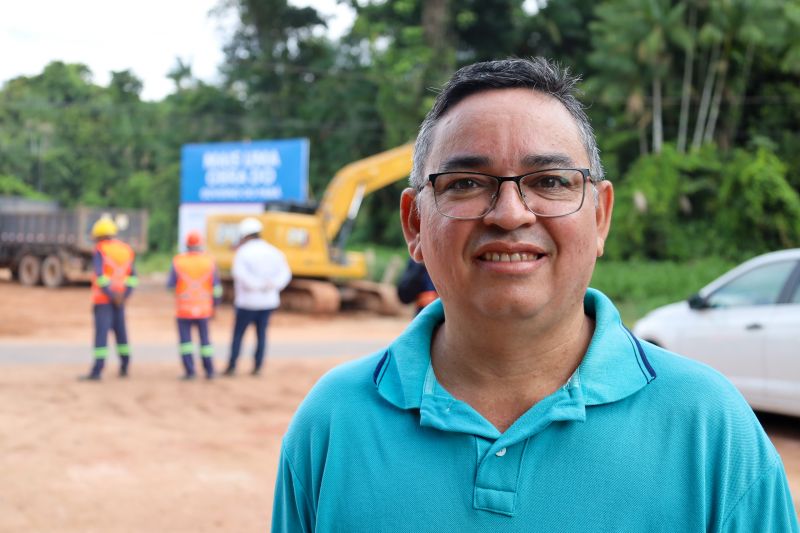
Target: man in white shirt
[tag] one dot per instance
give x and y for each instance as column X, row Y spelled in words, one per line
column 260, row 272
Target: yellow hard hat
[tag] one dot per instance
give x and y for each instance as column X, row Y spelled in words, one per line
column 104, row 227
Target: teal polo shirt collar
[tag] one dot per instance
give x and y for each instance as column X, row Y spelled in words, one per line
column 614, row 367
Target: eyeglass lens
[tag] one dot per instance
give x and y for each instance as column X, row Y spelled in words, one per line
column 472, row 195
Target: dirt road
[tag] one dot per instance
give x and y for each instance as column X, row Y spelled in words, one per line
column 152, row 453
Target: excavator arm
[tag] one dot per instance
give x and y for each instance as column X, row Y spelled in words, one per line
column 343, row 196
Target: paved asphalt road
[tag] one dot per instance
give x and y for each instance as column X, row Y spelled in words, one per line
column 19, row 353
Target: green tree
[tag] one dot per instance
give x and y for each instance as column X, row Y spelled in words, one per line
column 11, row 186
column 757, row 207
column 558, row 31
column 632, row 55
column 679, row 206
column 641, row 49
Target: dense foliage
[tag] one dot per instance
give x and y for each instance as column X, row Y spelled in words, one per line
column 695, row 104
column 708, row 202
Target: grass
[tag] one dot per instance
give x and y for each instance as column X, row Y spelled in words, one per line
column 638, row 286
column 385, row 263
column 150, row 262
column 379, row 258
column 635, row 286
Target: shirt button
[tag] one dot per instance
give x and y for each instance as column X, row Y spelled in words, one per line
column 501, row 453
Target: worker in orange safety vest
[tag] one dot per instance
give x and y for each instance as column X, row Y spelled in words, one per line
column 113, row 280
column 197, row 291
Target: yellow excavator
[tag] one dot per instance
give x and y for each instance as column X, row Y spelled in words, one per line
column 325, row 276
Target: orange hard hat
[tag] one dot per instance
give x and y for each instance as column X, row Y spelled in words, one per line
column 194, row 239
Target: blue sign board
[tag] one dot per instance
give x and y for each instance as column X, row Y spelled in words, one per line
column 256, row 171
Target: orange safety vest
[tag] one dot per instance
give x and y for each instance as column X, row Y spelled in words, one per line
column 194, row 287
column 117, row 266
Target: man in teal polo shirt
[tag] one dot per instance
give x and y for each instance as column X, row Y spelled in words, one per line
column 519, row 401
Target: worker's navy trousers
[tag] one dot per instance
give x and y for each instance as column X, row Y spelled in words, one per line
column 245, row 317
column 109, row 317
column 185, row 330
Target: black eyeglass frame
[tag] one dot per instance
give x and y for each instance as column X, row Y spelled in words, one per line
column 585, row 172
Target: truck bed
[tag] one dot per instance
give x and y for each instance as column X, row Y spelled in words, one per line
column 70, row 228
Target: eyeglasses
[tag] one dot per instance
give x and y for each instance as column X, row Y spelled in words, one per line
column 555, row 192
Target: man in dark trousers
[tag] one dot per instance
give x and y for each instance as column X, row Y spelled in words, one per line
column 113, row 280
column 197, row 291
column 260, row 271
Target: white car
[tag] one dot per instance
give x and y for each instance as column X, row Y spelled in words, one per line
column 746, row 324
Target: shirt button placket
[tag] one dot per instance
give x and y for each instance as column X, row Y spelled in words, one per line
column 496, row 480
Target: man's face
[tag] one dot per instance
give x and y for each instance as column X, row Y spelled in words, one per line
column 511, row 263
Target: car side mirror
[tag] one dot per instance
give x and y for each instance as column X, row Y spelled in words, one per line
column 697, row 302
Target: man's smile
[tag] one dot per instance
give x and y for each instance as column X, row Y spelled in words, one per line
column 509, row 252
column 509, row 258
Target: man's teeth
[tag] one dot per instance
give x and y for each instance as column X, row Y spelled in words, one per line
column 509, row 258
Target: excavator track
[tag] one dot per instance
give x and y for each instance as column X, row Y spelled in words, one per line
column 320, row 296
column 367, row 295
column 311, row 296
column 317, row 296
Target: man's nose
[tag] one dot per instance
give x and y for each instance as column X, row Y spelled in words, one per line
column 509, row 210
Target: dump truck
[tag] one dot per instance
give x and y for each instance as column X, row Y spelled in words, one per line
column 326, row 277
column 43, row 244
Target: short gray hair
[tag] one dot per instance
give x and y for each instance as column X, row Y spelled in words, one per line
column 536, row 73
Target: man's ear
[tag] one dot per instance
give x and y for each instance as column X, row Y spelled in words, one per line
column 602, row 213
column 410, row 220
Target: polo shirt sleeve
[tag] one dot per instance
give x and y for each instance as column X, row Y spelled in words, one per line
column 283, row 273
column 291, row 511
column 97, row 263
column 240, row 270
column 766, row 506
column 172, row 279
column 132, row 281
column 102, row 280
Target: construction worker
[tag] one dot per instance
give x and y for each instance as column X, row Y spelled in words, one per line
column 197, row 291
column 113, row 279
column 415, row 285
column 260, row 272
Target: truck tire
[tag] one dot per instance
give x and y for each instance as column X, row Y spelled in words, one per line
column 52, row 272
column 30, row 270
